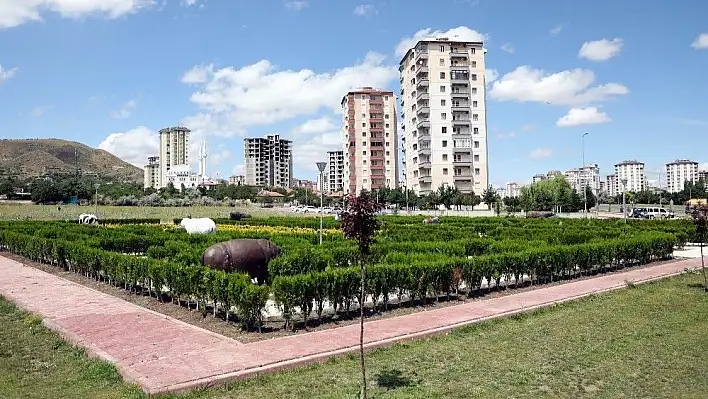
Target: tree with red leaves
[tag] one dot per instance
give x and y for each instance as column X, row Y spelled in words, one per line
column 699, row 214
column 358, row 222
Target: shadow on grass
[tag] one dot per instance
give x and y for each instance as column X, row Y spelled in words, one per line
column 392, row 379
column 699, row 286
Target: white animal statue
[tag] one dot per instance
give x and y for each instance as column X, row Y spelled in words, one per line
column 87, row 218
column 198, row 225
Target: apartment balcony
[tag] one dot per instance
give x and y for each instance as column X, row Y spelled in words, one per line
column 422, row 82
column 421, row 54
column 424, row 151
column 459, row 79
column 461, row 122
column 462, row 150
column 463, row 176
column 460, row 62
column 463, row 162
column 459, row 52
column 423, row 96
column 423, row 134
column 423, row 111
column 422, row 69
column 425, row 179
column 423, row 124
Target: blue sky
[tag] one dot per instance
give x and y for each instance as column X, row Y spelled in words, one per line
column 112, row 72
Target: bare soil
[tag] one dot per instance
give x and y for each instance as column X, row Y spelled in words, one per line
column 274, row 329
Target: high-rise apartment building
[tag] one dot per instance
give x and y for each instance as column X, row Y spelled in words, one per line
column 633, row 171
column 335, row 171
column 680, row 171
column 444, row 113
column 370, row 140
column 151, row 173
column 587, row 176
column 611, row 187
column 513, row 190
column 174, row 150
column 268, row 161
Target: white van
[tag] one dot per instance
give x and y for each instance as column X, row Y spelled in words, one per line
column 659, row 213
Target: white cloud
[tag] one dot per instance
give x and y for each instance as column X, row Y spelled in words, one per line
column 508, row 48
column 490, row 75
column 296, row 5
column 572, row 87
column 316, row 126
column 40, row 110
column 5, row 73
column 461, row 33
column 133, row 146
column 217, row 158
column 556, row 30
column 125, row 111
column 540, row 153
column 506, row 135
column 601, row 50
column 363, row 9
column 307, row 152
column 17, row 12
column 528, row 128
column 583, row 116
column 701, row 42
column 261, row 94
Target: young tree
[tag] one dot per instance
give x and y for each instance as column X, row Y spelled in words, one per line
column 489, row 197
column 359, row 223
column 699, row 214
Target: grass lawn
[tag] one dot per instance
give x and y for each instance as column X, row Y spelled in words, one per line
column 650, row 341
column 22, row 211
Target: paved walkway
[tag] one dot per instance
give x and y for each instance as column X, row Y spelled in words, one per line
column 162, row 354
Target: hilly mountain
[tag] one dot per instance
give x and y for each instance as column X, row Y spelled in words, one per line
column 35, row 157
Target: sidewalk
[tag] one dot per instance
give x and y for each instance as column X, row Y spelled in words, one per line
column 162, row 354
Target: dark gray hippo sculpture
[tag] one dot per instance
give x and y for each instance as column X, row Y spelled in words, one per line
column 242, row 255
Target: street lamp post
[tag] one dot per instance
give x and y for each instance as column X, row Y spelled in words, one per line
column 321, row 168
column 582, row 173
column 624, row 201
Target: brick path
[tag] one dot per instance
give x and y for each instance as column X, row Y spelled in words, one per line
column 162, row 354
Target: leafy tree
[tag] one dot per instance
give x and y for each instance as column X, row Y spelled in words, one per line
column 699, row 215
column 447, row 194
column 489, row 197
column 358, row 222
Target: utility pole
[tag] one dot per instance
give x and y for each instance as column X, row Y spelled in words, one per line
column 321, row 166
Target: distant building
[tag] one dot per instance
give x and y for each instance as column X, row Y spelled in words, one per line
column 305, row 184
column 679, row 172
column 513, row 190
column 151, row 173
column 611, row 187
column 269, row 161
column 174, row 150
column 237, row 180
column 587, row 176
column 539, row 177
column 633, row 171
column 335, row 171
column 703, row 177
column 180, row 175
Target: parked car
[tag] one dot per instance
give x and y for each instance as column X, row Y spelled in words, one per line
column 638, row 213
column 659, row 213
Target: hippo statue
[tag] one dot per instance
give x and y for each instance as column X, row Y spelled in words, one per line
column 242, row 255
column 539, row 214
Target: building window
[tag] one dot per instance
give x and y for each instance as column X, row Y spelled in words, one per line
column 442, row 75
column 442, row 61
column 476, row 158
column 387, row 126
column 444, row 143
column 442, row 102
column 472, row 50
column 385, row 98
column 363, row 124
column 443, row 116
column 442, row 48
column 442, row 89
column 444, row 157
column 444, row 129
column 474, row 64
column 363, row 134
column 474, row 90
column 476, row 144
column 386, row 116
column 445, row 171
column 474, row 104
column 475, row 130
column 476, row 171
column 475, row 117
column 474, row 76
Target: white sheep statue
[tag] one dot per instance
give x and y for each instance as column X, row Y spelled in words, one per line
column 198, row 225
column 87, row 218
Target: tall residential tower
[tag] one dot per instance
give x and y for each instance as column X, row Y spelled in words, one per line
column 174, row 150
column 444, row 114
column 269, row 161
column 370, row 140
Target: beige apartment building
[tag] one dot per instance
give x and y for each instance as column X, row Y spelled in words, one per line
column 633, row 171
column 335, row 172
column 174, row 150
column 443, row 98
column 151, row 173
column 269, row 161
column 680, row 171
column 370, row 140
